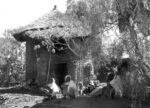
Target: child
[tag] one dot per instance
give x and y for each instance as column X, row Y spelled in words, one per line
column 81, row 88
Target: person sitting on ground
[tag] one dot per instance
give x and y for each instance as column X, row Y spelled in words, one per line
column 80, row 88
column 89, row 87
column 69, row 88
column 52, row 89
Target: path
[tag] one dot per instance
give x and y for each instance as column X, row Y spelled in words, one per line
column 25, row 100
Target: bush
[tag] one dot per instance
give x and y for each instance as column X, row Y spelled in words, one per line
column 12, row 62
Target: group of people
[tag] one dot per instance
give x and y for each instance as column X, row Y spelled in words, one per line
column 111, row 88
column 70, row 89
column 67, row 90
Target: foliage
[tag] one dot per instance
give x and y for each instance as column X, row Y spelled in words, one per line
column 97, row 15
column 12, row 61
column 132, row 20
column 133, row 24
column 94, row 13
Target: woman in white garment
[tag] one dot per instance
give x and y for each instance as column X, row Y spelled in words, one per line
column 52, row 89
column 69, row 88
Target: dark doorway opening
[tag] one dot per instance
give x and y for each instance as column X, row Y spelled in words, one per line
column 60, row 72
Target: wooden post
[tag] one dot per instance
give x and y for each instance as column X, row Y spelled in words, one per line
column 49, row 66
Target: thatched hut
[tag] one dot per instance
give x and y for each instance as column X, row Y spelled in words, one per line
column 53, row 44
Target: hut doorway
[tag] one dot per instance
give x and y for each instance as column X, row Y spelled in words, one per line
column 60, row 72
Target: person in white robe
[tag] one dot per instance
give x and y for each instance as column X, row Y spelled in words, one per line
column 69, row 88
column 53, row 89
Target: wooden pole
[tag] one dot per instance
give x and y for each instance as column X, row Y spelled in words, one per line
column 49, row 66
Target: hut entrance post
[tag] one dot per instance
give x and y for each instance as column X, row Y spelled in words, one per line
column 49, row 66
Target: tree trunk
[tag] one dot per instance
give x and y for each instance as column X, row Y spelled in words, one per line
column 133, row 36
column 136, row 99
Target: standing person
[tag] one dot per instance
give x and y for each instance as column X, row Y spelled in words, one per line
column 69, row 88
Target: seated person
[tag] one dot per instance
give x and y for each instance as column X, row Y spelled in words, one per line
column 80, row 88
column 69, row 88
column 52, row 89
column 89, row 88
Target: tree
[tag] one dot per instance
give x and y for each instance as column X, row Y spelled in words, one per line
column 132, row 20
column 12, row 60
column 94, row 14
column 133, row 23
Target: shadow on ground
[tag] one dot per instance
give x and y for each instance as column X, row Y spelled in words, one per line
column 88, row 102
column 85, row 102
column 81, row 102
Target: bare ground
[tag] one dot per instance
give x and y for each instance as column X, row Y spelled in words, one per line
column 21, row 98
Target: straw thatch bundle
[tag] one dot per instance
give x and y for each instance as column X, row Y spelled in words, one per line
column 58, row 31
column 55, row 24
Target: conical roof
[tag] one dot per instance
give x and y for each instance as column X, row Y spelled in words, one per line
column 53, row 23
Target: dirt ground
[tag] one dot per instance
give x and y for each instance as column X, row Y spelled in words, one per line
column 21, row 98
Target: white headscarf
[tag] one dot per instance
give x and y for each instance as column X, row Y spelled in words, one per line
column 72, row 88
column 67, row 76
column 54, row 86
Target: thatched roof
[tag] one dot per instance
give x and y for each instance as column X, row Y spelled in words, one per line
column 54, row 23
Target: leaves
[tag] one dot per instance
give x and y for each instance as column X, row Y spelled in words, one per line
column 94, row 13
column 12, row 60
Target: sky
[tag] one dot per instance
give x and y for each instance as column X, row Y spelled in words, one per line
column 15, row 13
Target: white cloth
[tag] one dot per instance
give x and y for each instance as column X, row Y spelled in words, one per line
column 54, row 87
column 97, row 91
column 92, row 82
